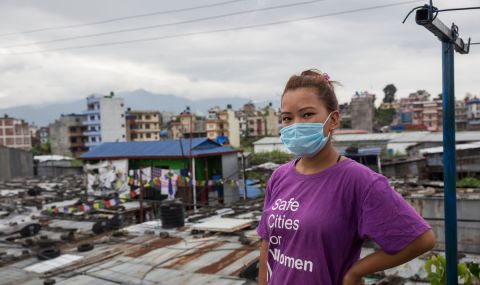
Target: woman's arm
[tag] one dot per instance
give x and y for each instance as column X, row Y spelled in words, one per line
column 262, row 270
column 380, row 260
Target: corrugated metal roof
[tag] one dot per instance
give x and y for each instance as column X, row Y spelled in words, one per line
column 439, row 149
column 157, row 149
column 403, row 137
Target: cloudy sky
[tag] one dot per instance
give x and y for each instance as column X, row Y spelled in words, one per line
column 364, row 50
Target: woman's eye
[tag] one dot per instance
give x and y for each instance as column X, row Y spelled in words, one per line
column 285, row 119
column 306, row 115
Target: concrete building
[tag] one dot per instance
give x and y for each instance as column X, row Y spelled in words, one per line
column 223, row 125
column 461, row 117
column 271, row 120
column 187, row 125
column 143, row 125
column 67, row 135
column 362, row 110
column 268, row 144
column 15, row 133
column 473, row 114
column 432, row 115
column 390, row 105
column 105, row 120
column 258, row 123
column 411, row 108
column 43, row 135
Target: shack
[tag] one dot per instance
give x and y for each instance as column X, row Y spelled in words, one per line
column 200, row 167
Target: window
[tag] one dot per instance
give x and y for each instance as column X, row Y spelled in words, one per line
column 147, row 126
column 148, row 135
column 92, row 118
column 123, row 115
column 121, row 104
column 123, row 125
column 123, row 136
column 73, row 140
column 147, row 117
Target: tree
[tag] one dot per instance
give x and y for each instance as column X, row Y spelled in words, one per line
column 389, row 92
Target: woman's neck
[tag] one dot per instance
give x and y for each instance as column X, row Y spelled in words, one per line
column 321, row 161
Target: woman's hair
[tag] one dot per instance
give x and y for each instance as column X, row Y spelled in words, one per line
column 318, row 81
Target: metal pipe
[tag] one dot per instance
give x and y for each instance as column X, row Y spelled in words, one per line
column 244, row 177
column 449, row 163
column 194, row 186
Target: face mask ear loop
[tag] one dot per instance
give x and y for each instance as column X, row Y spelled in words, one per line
column 328, row 118
column 329, row 131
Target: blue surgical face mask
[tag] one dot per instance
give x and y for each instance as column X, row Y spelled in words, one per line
column 305, row 139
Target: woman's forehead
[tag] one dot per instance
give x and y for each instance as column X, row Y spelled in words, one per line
column 301, row 98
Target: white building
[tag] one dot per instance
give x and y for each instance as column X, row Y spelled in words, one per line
column 105, row 120
column 268, row 144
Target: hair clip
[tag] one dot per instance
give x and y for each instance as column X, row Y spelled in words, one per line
column 326, row 76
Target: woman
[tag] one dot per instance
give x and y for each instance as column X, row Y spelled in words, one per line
column 320, row 207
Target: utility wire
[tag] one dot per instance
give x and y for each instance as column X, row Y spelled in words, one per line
column 436, row 10
column 122, row 18
column 459, row 9
column 166, row 24
column 221, row 30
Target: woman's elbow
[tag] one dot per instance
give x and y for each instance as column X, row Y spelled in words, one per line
column 428, row 240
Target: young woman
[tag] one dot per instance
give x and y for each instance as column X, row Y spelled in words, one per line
column 320, row 207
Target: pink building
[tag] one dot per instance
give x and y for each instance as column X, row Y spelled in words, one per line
column 15, row 133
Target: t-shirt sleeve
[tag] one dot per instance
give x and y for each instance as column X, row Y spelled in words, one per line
column 262, row 229
column 388, row 219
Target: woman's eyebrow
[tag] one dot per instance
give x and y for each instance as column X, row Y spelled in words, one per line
column 299, row 110
column 307, row 107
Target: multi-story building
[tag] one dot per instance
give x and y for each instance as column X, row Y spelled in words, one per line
column 411, row 108
column 143, row 125
column 67, row 135
column 432, row 115
column 362, row 110
column 187, row 125
column 223, row 125
column 271, row 120
column 105, row 120
column 473, row 114
column 461, row 117
column 253, row 123
column 33, row 132
column 390, row 105
column 15, row 133
column 43, row 135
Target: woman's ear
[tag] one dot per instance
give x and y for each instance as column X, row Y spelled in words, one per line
column 335, row 120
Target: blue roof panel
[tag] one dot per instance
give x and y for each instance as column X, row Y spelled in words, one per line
column 166, row 148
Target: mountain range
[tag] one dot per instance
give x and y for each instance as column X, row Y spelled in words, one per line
column 137, row 100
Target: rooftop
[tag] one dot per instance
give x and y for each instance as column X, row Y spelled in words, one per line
column 157, row 149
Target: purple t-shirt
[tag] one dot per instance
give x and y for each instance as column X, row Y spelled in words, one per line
column 316, row 223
